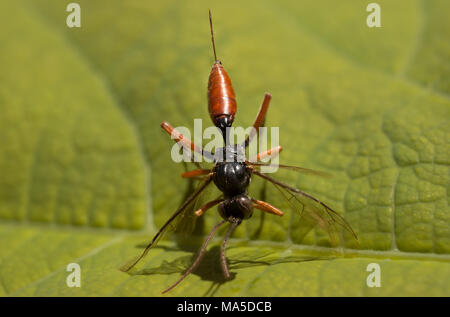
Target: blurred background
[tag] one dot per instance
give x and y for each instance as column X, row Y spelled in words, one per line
column 81, row 147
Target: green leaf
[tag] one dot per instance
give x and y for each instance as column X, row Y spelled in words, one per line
column 86, row 174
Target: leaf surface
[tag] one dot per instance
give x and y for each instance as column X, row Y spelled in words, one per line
column 86, row 174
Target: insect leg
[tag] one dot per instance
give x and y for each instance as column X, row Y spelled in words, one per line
column 185, row 142
column 199, row 257
column 272, row 152
column 260, row 118
column 195, row 173
column 128, row 266
column 206, row 206
column 195, row 163
column 265, row 206
column 234, row 223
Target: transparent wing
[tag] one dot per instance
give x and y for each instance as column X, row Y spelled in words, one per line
column 297, row 169
column 171, row 224
column 185, row 223
column 313, row 211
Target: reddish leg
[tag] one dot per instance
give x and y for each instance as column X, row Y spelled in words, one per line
column 260, row 118
column 265, row 206
column 195, row 173
column 206, row 206
column 185, row 142
column 272, row 152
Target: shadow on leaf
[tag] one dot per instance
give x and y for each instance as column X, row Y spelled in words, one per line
column 209, row 268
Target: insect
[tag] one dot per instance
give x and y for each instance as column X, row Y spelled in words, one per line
column 232, row 176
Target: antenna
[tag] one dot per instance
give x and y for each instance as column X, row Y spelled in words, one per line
column 212, row 36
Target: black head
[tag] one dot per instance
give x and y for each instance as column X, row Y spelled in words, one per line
column 223, row 122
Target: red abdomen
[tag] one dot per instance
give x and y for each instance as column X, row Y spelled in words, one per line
column 221, row 98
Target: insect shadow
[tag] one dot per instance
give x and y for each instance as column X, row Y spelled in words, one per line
column 210, row 268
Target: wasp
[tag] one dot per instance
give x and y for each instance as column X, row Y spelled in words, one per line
column 232, row 175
